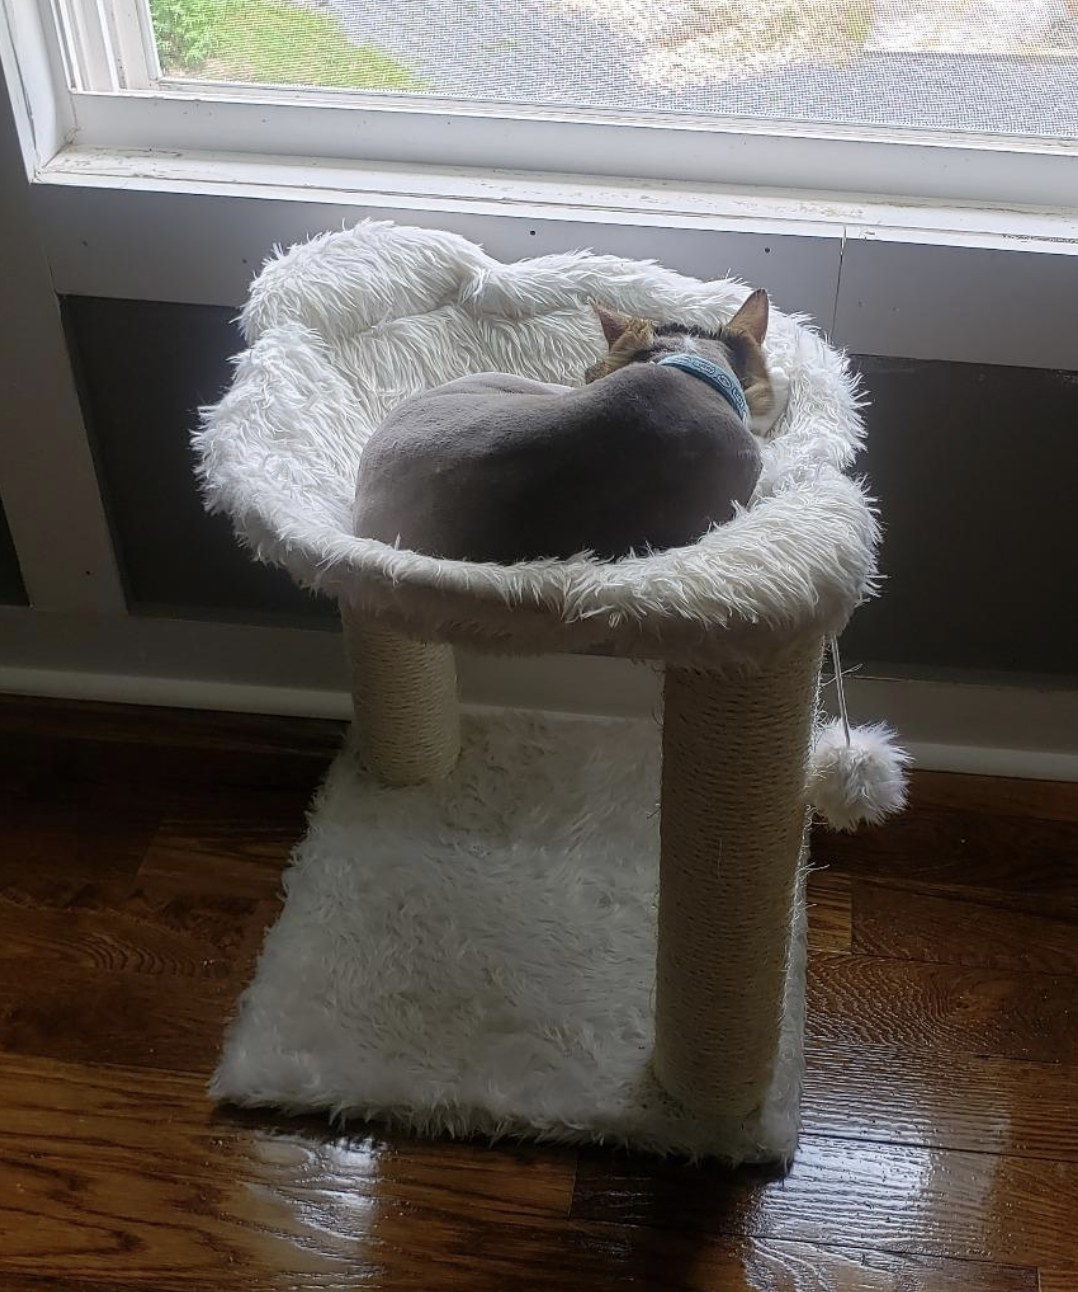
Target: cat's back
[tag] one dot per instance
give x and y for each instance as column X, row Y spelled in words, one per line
column 499, row 468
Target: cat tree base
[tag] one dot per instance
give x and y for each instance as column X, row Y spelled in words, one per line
column 476, row 956
column 733, row 824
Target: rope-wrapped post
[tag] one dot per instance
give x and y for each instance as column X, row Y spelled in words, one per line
column 404, row 697
column 733, row 827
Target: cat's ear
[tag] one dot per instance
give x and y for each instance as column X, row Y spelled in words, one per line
column 751, row 318
column 614, row 325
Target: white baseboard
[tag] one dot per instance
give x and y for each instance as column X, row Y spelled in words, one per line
column 948, row 726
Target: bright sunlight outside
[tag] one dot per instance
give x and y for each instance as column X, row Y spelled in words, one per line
column 987, row 66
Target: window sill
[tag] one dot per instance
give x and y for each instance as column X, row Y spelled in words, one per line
column 919, row 280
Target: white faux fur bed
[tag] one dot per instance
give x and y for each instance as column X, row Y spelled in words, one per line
column 342, row 328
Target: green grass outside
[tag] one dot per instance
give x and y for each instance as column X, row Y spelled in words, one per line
column 268, row 41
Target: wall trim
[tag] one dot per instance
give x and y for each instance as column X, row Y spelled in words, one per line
column 872, row 282
column 980, row 728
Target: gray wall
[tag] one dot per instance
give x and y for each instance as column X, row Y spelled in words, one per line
column 12, row 593
column 974, row 468
column 144, row 370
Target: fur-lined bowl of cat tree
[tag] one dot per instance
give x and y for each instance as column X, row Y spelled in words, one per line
column 489, row 928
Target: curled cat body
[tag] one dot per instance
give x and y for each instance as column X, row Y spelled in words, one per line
column 647, row 455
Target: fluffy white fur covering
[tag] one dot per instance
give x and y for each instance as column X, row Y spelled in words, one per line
column 478, row 956
column 859, row 783
column 342, row 328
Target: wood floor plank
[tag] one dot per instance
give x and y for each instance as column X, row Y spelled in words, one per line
column 571, row 1256
column 946, row 1009
column 944, row 850
column 238, row 854
column 196, row 781
column 68, row 720
column 965, row 1206
column 995, row 795
column 52, row 853
column 49, row 1283
column 52, row 1283
column 893, row 1094
column 135, row 1171
column 986, row 930
column 198, row 937
column 415, row 1250
column 1058, row 1281
column 830, row 911
column 229, row 1203
column 139, row 779
column 71, row 1013
column 183, row 780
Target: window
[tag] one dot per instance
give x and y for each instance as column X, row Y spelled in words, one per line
column 980, row 67
column 958, row 100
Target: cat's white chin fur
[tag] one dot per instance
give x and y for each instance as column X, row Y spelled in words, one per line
column 860, row 782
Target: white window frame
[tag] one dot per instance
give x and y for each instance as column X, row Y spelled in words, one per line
column 110, row 48
column 738, row 154
column 107, row 45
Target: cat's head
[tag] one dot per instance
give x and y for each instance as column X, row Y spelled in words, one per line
column 735, row 346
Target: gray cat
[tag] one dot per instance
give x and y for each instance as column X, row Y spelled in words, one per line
column 651, row 453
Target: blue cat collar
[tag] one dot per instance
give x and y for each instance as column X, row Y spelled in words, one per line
column 718, row 378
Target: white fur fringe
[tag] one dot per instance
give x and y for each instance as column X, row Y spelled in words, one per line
column 342, row 328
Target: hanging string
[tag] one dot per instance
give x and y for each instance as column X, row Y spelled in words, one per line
column 840, row 689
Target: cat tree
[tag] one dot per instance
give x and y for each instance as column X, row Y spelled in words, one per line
column 341, row 329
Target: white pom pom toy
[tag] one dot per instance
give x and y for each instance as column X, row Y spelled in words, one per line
column 856, row 775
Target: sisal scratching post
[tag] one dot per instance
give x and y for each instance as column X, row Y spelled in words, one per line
column 404, row 695
column 733, row 824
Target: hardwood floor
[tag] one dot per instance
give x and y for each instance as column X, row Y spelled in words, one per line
column 140, row 853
